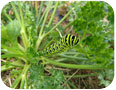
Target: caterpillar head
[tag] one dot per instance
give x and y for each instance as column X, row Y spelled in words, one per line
column 75, row 40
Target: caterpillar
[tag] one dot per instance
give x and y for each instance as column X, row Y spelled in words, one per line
column 67, row 41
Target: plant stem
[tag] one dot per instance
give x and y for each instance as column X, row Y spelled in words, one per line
column 24, row 75
column 36, row 8
column 23, row 58
column 51, row 19
column 43, row 24
column 47, row 11
column 23, row 33
column 4, row 68
column 60, row 60
column 72, row 57
column 38, row 42
column 26, row 82
column 26, row 72
column 40, row 9
column 8, row 17
column 14, row 64
column 24, row 38
column 10, row 55
column 31, row 5
column 11, row 50
column 42, row 16
column 21, row 14
column 74, row 66
column 16, row 82
column 44, row 35
column 16, row 13
column 21, row 48
column 49, row 43
column 60, row 21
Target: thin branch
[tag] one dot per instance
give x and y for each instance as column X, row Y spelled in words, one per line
column 51, row 19
column 40, row 9
column 60, row 22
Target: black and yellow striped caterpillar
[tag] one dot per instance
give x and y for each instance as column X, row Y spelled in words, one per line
column 65, row 42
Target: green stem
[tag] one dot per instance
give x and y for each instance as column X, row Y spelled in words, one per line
column 24, row 75
column 21, row 48
column 51, row 19
column 44, row 13
column 14, row 64
column 49, row 43
column 40, row 9
column 16, row 82
column 31, row 5
column 11, row 50
column 4, row 68
column 60, row 60
column 36, row 8
column 41, row 18
column 38, row 42
column 23, row 58
column 60, row 21
column 26, row 82
column 8, row 17
column 24, row 38
column 44, row 35
column 43, row 24
column 16, row 13
column 72, row 57
column 23, row 33
column 10, row 55
column 74, row 66
column 21, row 14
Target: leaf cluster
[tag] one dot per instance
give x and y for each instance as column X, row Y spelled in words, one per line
column 94, row 24
column 94, row 32
column 39, row 80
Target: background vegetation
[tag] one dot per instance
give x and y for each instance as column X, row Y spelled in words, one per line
column 29, row 27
